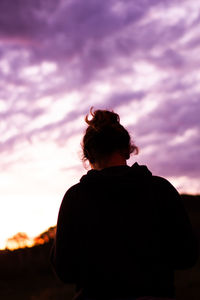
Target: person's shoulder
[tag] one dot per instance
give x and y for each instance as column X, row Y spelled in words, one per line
column 74, row 187
column 72, row 190
column 163, row 185
column 70, row 197
column 161, row 180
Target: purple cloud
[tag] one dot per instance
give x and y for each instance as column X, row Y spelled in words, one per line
column 112, row 54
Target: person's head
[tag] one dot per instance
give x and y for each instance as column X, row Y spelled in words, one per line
column 104, row 137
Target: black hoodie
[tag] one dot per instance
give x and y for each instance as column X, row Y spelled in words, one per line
column 122, row 232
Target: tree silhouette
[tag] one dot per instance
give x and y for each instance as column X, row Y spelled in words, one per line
column 19, row 240
column 45, row 236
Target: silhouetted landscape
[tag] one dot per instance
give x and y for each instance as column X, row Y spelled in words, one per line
column 26, row 273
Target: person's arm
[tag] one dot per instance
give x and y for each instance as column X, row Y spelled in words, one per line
column 64, row 255
column 178, row 235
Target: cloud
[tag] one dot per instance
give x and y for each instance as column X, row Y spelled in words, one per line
column 137, row 57
column 169, row 136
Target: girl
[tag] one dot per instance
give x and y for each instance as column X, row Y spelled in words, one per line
column 121, row 231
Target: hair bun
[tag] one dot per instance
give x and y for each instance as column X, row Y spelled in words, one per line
column 102, row 119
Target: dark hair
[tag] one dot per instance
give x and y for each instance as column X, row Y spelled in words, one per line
column 104, row 136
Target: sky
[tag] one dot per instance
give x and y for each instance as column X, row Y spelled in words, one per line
column 57, row 59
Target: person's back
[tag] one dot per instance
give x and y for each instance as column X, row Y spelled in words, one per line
column 122, row 232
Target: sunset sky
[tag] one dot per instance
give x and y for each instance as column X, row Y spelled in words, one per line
column 58, row 58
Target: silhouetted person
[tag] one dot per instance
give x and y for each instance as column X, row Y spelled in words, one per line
column 121, row 231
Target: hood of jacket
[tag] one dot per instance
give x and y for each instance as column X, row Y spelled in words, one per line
column 122, row 173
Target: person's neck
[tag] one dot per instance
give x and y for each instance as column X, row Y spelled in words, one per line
column 115, row 159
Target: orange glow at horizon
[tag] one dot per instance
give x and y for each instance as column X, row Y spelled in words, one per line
column 22, row 240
